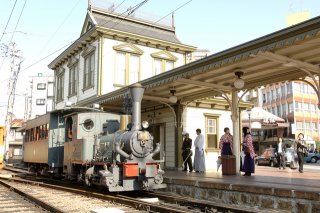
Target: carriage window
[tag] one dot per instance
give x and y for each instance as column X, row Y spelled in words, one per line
column 88, row 124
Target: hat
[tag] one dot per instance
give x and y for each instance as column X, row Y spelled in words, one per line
column 184, row 133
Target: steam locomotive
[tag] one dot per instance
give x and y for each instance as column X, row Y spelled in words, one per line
column 95, row 147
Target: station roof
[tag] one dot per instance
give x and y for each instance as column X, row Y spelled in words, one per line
column 285, row 55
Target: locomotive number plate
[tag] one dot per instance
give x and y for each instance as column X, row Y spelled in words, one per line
column 142, row 136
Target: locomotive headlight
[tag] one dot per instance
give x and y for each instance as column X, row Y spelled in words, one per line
column 145, row 124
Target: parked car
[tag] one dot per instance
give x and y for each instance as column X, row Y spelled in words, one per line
column 312, row 157
column 291, row 158
column 268, row 157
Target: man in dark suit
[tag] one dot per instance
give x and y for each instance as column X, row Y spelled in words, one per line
column 186, row 152
column 280, row 150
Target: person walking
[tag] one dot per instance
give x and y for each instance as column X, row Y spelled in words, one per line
column 281, row 149
column 199, row 160
column 226, row 142
column 248, row 162
column 187, row 152
column 301, row 150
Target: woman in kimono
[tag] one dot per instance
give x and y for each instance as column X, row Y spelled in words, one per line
column 199, row 160
column 248, row 162
column 226, row 142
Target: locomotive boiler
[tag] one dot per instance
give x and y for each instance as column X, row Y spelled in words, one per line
column 123, row 159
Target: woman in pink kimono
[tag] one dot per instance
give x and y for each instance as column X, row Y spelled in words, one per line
column 226, row 142
column 248, row 162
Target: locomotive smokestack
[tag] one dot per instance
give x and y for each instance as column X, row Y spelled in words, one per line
column 136, row 91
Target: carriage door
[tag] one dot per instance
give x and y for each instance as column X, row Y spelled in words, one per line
column 157, row 131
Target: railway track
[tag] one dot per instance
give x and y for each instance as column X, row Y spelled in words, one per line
column 13, row 200
column 144, row 201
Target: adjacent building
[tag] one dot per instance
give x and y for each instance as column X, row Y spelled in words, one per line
column 14, row 139
column 39, row 97
column 296, row 102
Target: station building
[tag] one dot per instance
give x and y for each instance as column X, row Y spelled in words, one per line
column 115, row 51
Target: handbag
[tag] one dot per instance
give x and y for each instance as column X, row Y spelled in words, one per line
column 246, row 150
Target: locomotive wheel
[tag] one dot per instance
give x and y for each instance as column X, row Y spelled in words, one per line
column 87, row 180
column 158, row 179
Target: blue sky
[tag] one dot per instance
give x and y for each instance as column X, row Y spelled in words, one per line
column 46, row 26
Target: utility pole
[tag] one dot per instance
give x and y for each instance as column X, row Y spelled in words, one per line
column 16, row 59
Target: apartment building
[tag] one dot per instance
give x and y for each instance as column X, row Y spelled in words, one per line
column 296, row 102
column 39, row 97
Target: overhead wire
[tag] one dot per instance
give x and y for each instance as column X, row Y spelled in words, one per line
column 168, row 14
column 56, row 31
column 4, row 31
column 131, row 11
column 134, row 9
column 15, row 28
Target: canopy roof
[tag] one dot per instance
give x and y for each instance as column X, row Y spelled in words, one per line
column 261, row 115
column 262, row 119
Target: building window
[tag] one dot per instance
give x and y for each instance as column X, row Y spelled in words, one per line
column 41, row 86
column 289, row 88
column 73, row 70
column 41, row 101
column 290, row 106
column 60, row 86
column 278, row 93
column 315, row 127
column 163, row 61
column 279, row 110
column 299, row 126
column 127, row 64
column 298, row 106
column 283, row 91
column 157, row 66
column 274, row 94
column 269, row 97
column 161, row 65
column 89, row 67
column 211, row 132
column 284, row 109
column 127, row 68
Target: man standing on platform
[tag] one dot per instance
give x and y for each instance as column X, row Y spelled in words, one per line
column 199, row 160
column 187, row 152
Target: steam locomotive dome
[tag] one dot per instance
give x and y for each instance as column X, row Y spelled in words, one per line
column 137, row 143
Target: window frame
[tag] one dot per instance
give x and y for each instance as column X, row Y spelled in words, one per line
column 127, row 57
column 88, row 72
column 41, row 86
column 216, row 117
column 40, row 101
column 60, row 86
column 73, row 79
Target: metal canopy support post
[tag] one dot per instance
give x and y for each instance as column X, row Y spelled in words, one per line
column 236, row 127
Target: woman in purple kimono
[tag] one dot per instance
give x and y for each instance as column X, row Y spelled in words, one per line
column 226, row 144
column 248, row 162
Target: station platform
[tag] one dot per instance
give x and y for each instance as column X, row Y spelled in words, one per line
column 268, row 188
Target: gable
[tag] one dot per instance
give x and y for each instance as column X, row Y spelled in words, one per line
column 89, row 23
column 164, row 55
column 127, row 47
